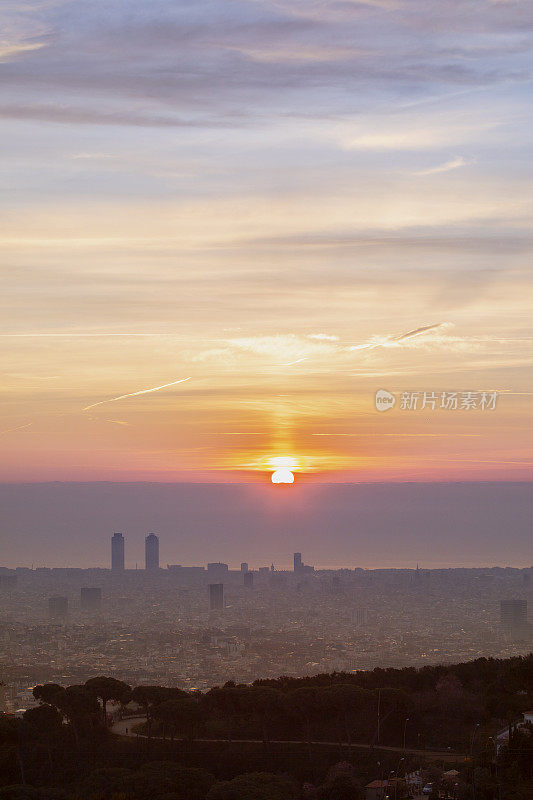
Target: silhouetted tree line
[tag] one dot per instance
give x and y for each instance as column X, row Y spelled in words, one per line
column 65, row 749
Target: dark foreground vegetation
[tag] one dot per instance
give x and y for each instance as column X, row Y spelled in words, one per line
column 65, row 749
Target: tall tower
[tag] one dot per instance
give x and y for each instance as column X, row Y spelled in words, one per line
column 117, row 552
column 151, row 551
column 216, row 596
column 297, row 561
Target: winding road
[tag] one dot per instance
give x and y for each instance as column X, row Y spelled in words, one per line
column 124, row 728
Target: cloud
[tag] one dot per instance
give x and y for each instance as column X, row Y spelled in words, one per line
column 87, row 116
column 7, row 51
column 454, row 163
column 281, row 350
column 297, row 349
column 257, row 59
column 407, row 131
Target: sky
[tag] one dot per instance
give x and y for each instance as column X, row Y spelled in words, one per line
column 225, row 225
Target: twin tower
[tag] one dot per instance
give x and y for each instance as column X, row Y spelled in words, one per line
column 151, row 552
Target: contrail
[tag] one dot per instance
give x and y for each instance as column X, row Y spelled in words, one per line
column 19, row 428
column 418, row 331
column 134, row 394
column 388, row 340
column 298, row 361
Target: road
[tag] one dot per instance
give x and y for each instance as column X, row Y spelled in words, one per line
column 124, row 728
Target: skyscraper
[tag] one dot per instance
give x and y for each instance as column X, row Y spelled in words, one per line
column 244, row 566
column 513, row 612
column 91, row 598
column 299, row 565
column 151, row 551
column 216, row 596
column 248, row 580
column 117, row 552
column 58, row 607
column 513, row 615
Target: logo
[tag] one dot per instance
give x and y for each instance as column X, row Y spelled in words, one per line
column 384, row 400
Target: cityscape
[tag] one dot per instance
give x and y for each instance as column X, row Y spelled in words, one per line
column 198, row 626
column 266, row 383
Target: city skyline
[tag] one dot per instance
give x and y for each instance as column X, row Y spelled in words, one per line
column 366, row 525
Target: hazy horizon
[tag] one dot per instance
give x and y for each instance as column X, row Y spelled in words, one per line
column 369, row 525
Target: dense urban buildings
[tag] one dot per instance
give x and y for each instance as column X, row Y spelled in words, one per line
column 197, row 626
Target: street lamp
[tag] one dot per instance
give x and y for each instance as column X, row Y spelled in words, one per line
column 405, row 731
column 476, row 726
column 397, row 778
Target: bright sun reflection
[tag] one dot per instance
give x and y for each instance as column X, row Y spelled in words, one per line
column 282, row 475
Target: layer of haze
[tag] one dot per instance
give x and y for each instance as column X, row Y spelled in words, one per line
column 290, row 204
column 372, row 525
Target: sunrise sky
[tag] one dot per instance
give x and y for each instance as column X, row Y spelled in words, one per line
column 265, row 212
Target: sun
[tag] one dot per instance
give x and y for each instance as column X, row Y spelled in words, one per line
column 282, row 475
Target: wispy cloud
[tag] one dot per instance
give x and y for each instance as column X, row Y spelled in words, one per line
column 8, row 51
column 87, row 116
column 135, row 394
column 448, row 166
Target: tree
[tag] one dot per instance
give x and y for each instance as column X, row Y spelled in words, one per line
column 47, row 693
column 12, row 765
column 254, row 786
column 303, row 703
column 224, row 703
column 340, row 787
column 182, row 783
column 22, row 792
column 106, row 689
column 264, row 703
column 149, row 697
column 43, row 725
column 184, row 713
column 344, row 702
column 80, row 707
